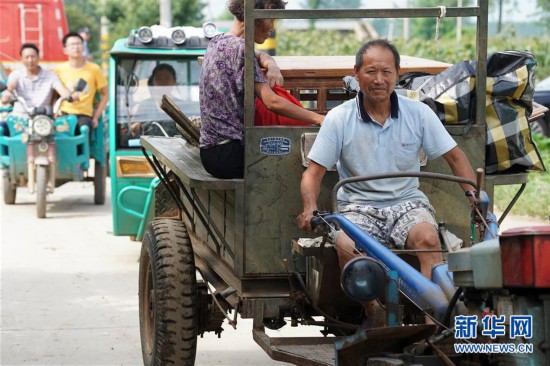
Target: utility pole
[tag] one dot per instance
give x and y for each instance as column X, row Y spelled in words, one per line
column 499, row 24
column 104, row 40
column 166, row 13
column 406, row 24
column 459, row 24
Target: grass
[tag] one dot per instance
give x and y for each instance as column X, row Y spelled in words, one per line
column 535, row 200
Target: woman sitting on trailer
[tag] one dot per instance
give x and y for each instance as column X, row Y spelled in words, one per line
column 222, row 92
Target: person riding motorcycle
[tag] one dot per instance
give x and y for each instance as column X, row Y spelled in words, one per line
column 33, row 83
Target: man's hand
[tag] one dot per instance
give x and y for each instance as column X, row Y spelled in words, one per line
column 74, row 97
column 135, row 129
column 304, row 220
column 471, row 195
column 7, row 96
column 95, row 122
column 272, row 73
column 274, row 76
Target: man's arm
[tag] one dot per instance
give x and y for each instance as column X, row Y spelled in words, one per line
column 104, row 99
column 460, row 165
column 273, row 73
column 310, row 189
column 64, row 92
column 7, row 94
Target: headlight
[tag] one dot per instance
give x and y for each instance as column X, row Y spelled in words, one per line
column 42, row 126
column 133, row 166
column 43, row 146
column 363, row 279
column 145, row 34
column 178, row 36
column 210, row 29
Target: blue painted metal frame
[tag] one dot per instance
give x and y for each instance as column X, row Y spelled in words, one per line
column 423, row 292
column 73, row 150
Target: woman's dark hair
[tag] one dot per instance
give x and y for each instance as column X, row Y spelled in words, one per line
column 28, row 45
column 236, row 7
column 159, row 67
column 384, row 43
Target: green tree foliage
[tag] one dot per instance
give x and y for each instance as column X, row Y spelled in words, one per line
column 425, row 28
column 331, row 4
column 544, row 5
column 83, row 13
column 446, row 49
column 125, row 15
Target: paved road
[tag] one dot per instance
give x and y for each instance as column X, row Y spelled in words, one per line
column 69, row 289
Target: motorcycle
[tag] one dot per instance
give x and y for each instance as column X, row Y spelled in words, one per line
column 29, row 153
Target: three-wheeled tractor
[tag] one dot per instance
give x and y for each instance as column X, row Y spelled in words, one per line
column 221, row 248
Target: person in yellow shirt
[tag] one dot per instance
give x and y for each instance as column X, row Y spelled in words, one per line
column 77, row 67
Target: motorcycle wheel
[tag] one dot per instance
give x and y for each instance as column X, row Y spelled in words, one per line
column 100, row 173
column 41, row 185
column 168, row 314
column 10, row 190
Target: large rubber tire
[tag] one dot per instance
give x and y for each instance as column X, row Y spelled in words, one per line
column 41, row 186
column 168, row 314
column 10, row 190
column 100, row 173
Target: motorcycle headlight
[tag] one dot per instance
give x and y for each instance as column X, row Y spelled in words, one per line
column 43, row 146
column 42, row 126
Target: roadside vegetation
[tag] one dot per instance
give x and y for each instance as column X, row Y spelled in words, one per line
column 535, row 200
column 331, row 42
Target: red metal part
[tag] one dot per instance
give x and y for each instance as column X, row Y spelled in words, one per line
column 42, row 22
column 52, row 152
column 30, row 152
column 525, row 253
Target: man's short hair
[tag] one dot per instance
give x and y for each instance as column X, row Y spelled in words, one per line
column 384, row 43
column 159, row 67
column 28, row 45
column 69, row 35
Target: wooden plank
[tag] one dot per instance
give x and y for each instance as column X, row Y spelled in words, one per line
column 340, row 66
column 184, row 161
column 507, row 179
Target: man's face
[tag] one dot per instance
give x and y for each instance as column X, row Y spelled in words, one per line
column 377, row 75
column 163, row 78
column 73, row 47
column 29, row 57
